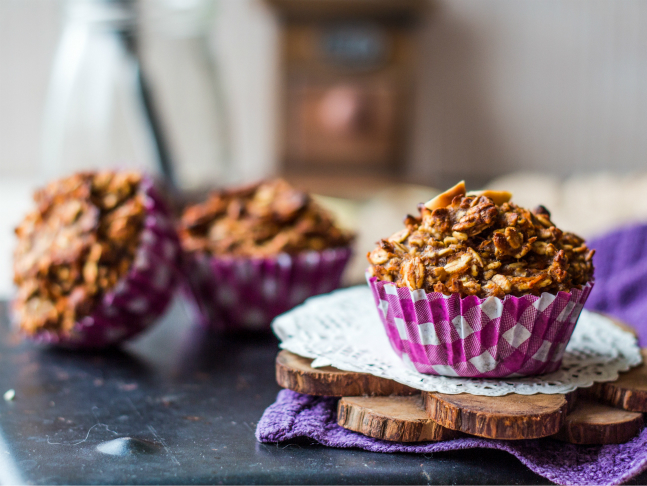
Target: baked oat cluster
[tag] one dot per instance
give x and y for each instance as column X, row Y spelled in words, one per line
column 481, row 244
column 75, row 246
column 260, row 220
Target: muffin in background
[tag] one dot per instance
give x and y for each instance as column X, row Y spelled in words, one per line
column 477, row 286
column 96, row 261
column 255, row 252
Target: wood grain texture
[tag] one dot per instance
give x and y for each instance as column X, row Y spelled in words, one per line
column 595, row 423
column 400, row 419
column 509, row 417
column 628, row 392
column 295, row 373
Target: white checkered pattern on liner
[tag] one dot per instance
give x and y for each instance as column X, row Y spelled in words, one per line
column 484, row 362
column 428, row 333
column 566, row 311
column 542, row 352
column 402, row 328
column 462, row 327
column 492, row 307
column 542, row 304
column 516, row 335
column 444, row 370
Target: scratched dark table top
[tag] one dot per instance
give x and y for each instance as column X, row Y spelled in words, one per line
column 180, row 405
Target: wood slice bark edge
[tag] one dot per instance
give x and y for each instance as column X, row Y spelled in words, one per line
column 295, row 373
column 509, row 417
column 400, row 419
column 628, row 392
column 595, row 423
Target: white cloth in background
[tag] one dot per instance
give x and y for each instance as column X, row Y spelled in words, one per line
column 587, row 205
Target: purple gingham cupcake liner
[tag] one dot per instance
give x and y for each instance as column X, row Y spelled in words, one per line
column 141, row 296
column 239, row 294
column 478, row 337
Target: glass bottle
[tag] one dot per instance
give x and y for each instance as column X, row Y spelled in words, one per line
column 108, row 106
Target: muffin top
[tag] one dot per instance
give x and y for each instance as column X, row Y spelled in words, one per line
column 77, row 243
column 482, row 244
column 259, row 220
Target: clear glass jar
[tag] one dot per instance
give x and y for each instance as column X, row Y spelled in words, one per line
column 135, row 86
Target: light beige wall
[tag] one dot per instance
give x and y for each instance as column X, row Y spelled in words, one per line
column 554, row 85
column 545, row 85
column 29, row 30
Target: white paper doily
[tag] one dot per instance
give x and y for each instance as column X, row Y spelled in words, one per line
column 342, row 329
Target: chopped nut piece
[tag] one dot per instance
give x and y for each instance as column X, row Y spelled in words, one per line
column 513, row 266
column 502, row 282
column 418, row 239
column 540, row 247
column 378, row 256
column 442, row 253
column 399, row 248
column 400, row 236
column 477, row 258
column 413, row 273
column 514, row 237
column 459, row 265
column 440, row 273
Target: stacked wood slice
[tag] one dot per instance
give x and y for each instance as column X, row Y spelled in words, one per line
column 607, row 413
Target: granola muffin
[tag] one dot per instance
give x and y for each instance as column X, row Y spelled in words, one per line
column 477, row 286
column 257, row 251
column 95, row 261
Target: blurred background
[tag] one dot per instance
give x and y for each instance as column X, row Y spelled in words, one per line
column 374, row 105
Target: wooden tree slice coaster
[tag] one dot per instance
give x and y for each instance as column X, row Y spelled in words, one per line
column 401, row 419
column 295, row 373
column 508, row 417
column 595, row 423
column 628, row 392
column 384, row 409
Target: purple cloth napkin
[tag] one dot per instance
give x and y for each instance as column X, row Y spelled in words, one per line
column 620, row 290
column 296, row 415
column 621, row 277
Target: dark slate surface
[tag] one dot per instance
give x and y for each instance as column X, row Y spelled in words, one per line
column 181, row 405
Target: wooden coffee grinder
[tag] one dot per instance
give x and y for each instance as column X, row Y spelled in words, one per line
column 346, row 93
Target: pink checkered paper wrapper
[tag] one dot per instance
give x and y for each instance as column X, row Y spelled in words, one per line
column 478, row 337
column 245, row 294
column 142, row 295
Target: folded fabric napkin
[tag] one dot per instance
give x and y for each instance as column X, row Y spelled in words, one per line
column 620, row 290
